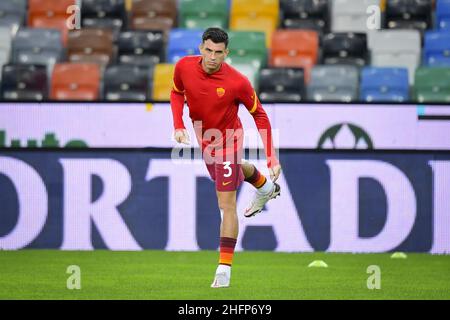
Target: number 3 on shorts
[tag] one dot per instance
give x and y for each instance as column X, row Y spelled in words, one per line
column 226, row 166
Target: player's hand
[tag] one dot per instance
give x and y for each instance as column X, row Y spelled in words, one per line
column 275, row 172
column 181, row 136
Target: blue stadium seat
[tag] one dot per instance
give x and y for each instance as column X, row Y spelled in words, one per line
column 443, row 15
column 183, row 42
column 384, row 85
column 437, row 48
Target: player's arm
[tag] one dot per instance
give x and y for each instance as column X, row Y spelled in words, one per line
column 177, row 104
column 250, row 100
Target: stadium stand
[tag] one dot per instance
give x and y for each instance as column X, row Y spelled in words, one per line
column 247, row 47
column 443, row 15
column 75, row 81
column 139, row 47
column 5, row 46
column 50, row 14
column 183, row 42
column 295, row 48
column 396, row 48
column 437, row 48
column 334, row 83
column 91, row 45
column 127, row 83
column 384, row 84
column 24, row 82
column 154, row 15
column 350, row 15
column 408, row 14
column 270, row 40
column 345, row 48
column 162, row 81
column 305, row 14
column 200, row 14
column 255, row 15
column 38, row 46
column 432, row 85
column 282, row 85
column 13, row 14
column 104, row 14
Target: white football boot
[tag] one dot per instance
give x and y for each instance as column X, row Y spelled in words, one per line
column 260, row 200
column 221, row 280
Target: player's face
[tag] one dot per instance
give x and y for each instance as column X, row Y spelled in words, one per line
column 213, row 55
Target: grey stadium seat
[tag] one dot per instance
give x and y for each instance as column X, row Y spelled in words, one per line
column 127, row 83
column 334, row 83
column 350, row 15
column 396, row 48
column 5, row 46
column 38, row 46
column 13, row 14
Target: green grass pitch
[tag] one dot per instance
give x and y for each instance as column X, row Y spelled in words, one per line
column 42, row 274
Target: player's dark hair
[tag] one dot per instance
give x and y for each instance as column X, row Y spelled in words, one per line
column 216, row 35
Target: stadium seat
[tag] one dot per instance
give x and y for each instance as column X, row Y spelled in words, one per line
column 200, row 14
column 247, row 47
column 443, row 15
column 5, row 46
column 50, row 14
column 38, row 46
column 13, row 14
column 75, row 81
column 437, row 48
column 384, row 85
column 408, row 14
column 128, row 5
column 183, row 42
column 145, row 48
column 345, row 48
column 109, row 14
column 281, row 85
column 154, row 15
column 396, row 48
column 127, row 83
column 255, row 15
column 250, row 72
column 295, row 48
column 432, row 85
column 24, row 82
column 91, row 45
column 350, row 15
column 305, row 14
column 333, row 83
column 162, row 81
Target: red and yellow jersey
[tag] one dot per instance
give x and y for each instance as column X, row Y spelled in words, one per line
column 214, row 99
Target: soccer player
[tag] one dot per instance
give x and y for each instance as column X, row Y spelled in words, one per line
column 213, row 91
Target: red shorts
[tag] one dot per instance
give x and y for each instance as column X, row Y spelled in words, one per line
column 226, row 172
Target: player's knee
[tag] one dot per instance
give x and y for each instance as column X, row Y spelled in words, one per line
column 227, row 204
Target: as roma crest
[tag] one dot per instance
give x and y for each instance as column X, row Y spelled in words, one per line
column 220, row 92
